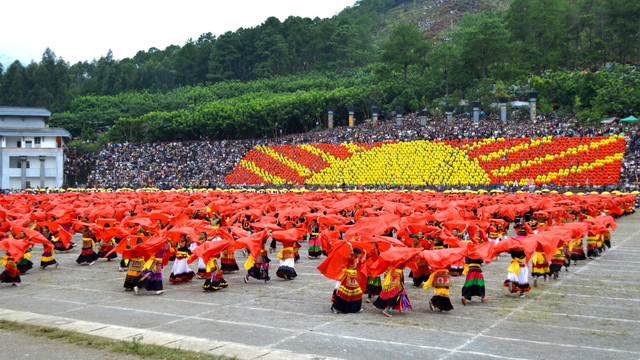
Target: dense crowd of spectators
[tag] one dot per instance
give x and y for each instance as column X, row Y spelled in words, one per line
column 195, row 164
column 204, row 164
column 630, row 162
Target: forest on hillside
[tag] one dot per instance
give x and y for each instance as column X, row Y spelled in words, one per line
column 579, row 55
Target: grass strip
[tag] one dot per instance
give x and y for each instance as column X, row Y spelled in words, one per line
column 133, row 347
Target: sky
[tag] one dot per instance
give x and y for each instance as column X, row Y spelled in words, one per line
column 79, row 30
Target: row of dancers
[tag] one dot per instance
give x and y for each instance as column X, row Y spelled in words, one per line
column 144, row 271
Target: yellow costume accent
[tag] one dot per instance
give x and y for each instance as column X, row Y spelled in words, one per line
column 440, row 281
column 212, row 265
column 250, row 262
column 286, row 253
column 148, row 264
column 466, row 268
column 538, row 258
column 515, row 266
column 387, row 278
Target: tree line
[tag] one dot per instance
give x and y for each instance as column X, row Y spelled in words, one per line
column 241, row 83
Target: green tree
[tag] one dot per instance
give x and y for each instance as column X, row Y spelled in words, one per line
column 186, row 65
column 271, row 49
column 405, row 47
column 447, row 68
column 623, row 30
column 52, row 80
column 14, row 89
column 483, row 40
column 297, row 34
column 228, row 58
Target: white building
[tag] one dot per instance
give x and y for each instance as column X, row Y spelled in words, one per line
column 31, row 153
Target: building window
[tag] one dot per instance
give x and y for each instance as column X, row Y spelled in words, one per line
column 37, row 141
column 28, row 144
column 15, row 163
column 19, row 143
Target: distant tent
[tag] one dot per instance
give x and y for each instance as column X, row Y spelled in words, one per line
column 608, row 120
column 518, row 104
column 631, row 118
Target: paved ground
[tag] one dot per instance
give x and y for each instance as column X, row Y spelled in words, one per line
column 20, row 346
column 591, row 312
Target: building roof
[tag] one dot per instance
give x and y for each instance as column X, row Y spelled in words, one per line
column 24, row 111
column 46, row 131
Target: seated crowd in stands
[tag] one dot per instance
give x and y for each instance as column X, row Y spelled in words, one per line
column 204, row 164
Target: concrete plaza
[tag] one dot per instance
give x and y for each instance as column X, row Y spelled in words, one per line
column 591, row 312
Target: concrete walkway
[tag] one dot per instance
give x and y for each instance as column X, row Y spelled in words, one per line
column 151, row 337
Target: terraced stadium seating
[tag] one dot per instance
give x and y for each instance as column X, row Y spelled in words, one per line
column 575, row 161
